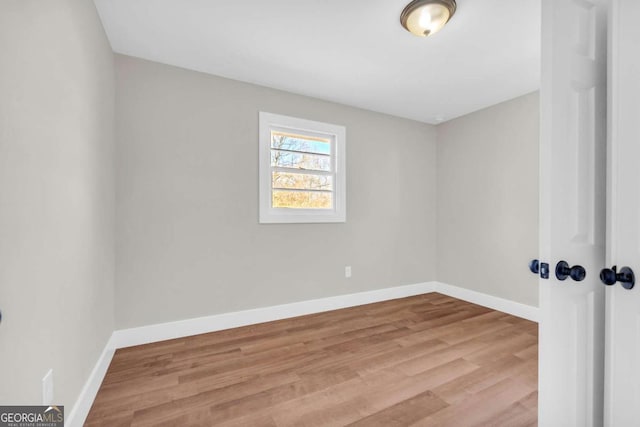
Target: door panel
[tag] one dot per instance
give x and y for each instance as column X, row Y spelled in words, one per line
column 622, row 391
column 572, row 210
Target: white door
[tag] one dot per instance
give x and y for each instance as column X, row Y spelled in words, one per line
column 622, row 397
column 572, row 211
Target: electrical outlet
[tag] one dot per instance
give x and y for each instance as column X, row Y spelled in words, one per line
column 347, row 271
column 47, row 388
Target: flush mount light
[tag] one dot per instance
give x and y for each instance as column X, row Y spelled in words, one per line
column 426, row 17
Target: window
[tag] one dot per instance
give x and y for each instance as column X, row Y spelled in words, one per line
column 302, row 170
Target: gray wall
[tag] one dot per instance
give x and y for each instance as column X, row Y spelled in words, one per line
column 188, row 239
column 488, row 200
column 56, row 196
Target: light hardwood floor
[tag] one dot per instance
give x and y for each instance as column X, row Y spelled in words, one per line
column 428, row 360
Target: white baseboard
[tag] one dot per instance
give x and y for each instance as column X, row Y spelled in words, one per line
column 182, row 328
column 218, row 322
column 80, row 410
column 507, row 306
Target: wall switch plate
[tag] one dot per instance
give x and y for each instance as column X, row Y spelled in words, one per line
column 347, row 271
column 47, row 388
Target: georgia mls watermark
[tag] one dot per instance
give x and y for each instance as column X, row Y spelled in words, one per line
column 32, row 416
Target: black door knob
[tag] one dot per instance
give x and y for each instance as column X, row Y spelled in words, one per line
column 577, row 272
column 537, row 267
column 609, row 276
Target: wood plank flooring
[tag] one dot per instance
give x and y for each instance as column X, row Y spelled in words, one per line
column 428, row 360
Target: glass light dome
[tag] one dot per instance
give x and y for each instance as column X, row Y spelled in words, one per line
column 426, row 17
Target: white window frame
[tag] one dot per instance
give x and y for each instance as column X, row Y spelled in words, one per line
column 337, row 134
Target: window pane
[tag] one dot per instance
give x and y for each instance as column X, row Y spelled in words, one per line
column 286, row 159
column 301, row 181
column 302, row 199
column 309, row 144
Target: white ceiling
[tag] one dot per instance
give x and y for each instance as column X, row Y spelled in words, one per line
column 349, row 51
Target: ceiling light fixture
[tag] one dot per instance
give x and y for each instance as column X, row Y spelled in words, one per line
column 423, row 18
